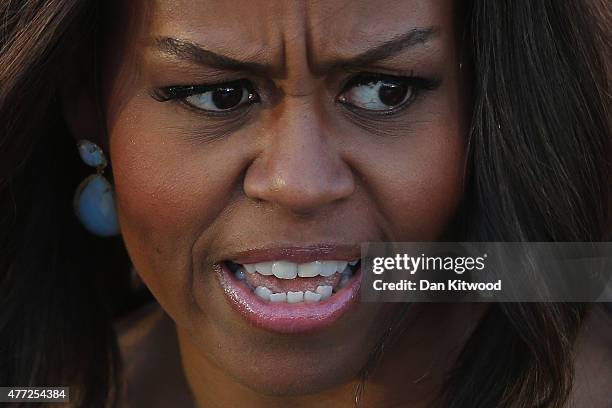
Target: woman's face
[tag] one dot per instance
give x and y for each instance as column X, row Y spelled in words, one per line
column 279, row 135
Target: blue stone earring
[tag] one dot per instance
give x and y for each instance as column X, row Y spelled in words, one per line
column 94, row 199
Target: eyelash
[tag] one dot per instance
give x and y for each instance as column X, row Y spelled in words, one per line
column 416, row 85
column 181, row 92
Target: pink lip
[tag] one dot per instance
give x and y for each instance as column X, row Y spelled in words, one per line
column 284, row 318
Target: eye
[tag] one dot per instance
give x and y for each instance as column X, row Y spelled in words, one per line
column 224, row 97
column 381, row 93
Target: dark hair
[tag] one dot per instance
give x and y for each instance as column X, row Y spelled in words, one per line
column 59, row 286
column 538, row 171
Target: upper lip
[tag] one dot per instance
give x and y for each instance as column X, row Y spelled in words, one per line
column 297, row 254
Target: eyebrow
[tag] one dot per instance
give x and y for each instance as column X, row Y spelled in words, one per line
column 190, row 51
column 387, row 49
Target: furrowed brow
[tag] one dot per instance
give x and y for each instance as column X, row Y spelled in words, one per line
column 387, row 49
column 190, row 51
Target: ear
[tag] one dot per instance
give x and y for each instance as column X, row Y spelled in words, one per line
column 82, row 114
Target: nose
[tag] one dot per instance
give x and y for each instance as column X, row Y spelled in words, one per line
column 299, row 167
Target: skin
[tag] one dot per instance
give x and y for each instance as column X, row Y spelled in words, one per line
column 296, row 169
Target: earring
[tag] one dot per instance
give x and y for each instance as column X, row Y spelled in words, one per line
column 94, row 199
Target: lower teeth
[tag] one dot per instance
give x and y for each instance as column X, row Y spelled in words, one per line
column 322, row 292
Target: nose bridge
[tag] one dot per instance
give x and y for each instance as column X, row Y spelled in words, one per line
column 299, row 167
column 298, row 150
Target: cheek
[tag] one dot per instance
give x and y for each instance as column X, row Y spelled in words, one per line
column 429, row 191
column 420, row 176
column 168, row 192
column 417, row 181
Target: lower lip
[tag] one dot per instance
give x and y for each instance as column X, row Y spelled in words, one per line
column 288, row 318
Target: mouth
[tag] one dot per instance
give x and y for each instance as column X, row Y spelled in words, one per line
column 292, row 291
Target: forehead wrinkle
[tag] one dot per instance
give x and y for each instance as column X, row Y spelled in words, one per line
column 294, row 37
column 310, row 25
column 249, row 38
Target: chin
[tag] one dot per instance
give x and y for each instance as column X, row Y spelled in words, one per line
column 290, row 376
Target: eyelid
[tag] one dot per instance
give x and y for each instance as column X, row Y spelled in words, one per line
column 179, row 94
column 175, row 92
column 418, row 83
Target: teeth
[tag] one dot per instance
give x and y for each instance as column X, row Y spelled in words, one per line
column 329, row 268
column 295, row 297
column 310, row 296
column 284, row 269
column 263, row 293
column 264, row 268
column 278, row 297
column 291, row 270
column 325, row 291
column 310, row 269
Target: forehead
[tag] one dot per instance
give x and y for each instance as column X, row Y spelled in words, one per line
column 268, row 28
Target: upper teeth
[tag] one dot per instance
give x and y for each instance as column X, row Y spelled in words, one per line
column 289, row 270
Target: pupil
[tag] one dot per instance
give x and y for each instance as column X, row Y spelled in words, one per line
column 392, row 94
column 227, row 98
